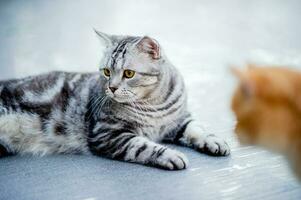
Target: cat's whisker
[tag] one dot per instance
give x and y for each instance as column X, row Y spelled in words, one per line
column 95, row 102
column 100, row 104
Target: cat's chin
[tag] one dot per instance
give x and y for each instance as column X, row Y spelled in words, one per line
column 121, row 100
column 244, row 139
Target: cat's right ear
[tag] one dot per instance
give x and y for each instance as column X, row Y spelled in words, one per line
column 246, row 84
column 104, row 38
column 149, row 46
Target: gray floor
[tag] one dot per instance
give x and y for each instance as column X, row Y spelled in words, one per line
column 202, row 38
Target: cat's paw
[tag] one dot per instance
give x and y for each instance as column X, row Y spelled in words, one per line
column 171, row 160
column 214, row 146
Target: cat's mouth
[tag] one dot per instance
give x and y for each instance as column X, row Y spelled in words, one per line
column 243, row 137
column 120, row 98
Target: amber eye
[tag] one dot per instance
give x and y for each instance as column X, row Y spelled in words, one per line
column 106, row 72
column 128, row 73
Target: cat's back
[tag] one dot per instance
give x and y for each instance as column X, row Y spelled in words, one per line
column 43, row 81
column 43, row 87
column 46, row 96
column 38, row 112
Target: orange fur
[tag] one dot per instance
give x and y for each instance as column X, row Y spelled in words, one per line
column 267, row 105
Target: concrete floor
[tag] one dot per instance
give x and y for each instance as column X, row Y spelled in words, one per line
column 202, row 38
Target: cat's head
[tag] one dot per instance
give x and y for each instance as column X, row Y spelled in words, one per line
column 267, row 104
column 131, row 66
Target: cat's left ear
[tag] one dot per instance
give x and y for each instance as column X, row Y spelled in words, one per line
column 104, row 38
column 247, row 86
column 149, row 46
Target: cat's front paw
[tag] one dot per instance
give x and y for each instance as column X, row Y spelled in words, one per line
column 214, row 146
column 171, row 160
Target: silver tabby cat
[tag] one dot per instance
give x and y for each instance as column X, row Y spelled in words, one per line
column 137, row 100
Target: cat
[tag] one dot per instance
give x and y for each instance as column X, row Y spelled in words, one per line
column 267, row 105
column 136, row 100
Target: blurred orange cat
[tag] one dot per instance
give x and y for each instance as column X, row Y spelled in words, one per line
column 267, row 104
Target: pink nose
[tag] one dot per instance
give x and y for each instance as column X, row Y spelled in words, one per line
column 113, row 89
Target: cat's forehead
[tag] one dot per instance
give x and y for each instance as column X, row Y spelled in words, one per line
column 124, row 55
column 121, row 44
column 120, row 51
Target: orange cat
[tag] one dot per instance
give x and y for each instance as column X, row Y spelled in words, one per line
column 267, row 104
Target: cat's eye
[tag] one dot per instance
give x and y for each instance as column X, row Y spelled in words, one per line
column 106, row 72
column 128, row 73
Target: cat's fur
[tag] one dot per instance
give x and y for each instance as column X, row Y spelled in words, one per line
column 267, row 104
column 63, row 112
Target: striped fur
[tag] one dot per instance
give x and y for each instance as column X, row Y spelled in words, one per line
column 63, row 112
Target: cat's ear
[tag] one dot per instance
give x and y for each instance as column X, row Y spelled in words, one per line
column 247, row 86
column 104, row 38
column 149, row 46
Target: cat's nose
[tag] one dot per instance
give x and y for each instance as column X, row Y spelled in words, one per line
column 113, row 89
